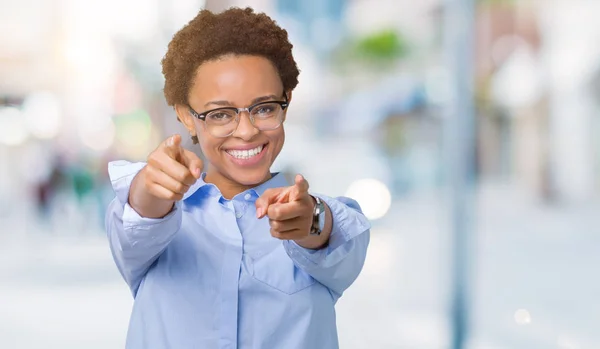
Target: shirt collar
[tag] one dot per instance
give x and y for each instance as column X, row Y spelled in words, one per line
column 201, row 186
column 277, row 180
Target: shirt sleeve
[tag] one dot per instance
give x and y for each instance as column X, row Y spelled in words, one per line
column 135, row 241
column 338, row 264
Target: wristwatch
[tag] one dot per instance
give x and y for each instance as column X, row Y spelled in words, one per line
column 318, row 223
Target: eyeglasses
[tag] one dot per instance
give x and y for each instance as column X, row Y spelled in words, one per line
column 222, row 122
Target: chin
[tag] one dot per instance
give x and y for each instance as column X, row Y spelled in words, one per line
column 251, row 178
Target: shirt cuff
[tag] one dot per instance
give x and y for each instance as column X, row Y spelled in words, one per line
column 138, row 228
column 348, row 223
column 348, row 220
column 121, row 175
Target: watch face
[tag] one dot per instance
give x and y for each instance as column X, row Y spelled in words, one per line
column 318, row 218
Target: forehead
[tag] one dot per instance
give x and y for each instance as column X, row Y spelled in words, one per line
column 238, row 79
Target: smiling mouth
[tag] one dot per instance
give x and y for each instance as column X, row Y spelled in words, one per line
column 247, row 154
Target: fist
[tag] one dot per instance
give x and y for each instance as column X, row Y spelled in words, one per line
column 290, row 210
column 171, row 170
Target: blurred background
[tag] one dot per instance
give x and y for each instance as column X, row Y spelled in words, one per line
column 81, row 85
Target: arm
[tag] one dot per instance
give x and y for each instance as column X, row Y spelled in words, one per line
column 135, row 241
column 144, row 217
column 339, row 263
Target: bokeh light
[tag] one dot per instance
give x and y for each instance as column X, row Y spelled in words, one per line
column 13, row 131
column 522, row 317
column 97, row 133
column 373, row 196
column 133, row 129
column 42, row 114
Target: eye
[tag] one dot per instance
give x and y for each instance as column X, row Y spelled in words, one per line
column 266, row 110
column 220, row 116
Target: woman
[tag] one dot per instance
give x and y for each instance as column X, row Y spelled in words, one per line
column 233, row 257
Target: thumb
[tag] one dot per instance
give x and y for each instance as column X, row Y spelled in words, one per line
column 192, row 162
column 269, row 197
column 173, row 147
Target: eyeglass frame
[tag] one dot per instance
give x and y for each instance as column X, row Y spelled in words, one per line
column 238, row 111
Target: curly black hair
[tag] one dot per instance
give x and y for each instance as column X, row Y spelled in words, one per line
column 210, row 36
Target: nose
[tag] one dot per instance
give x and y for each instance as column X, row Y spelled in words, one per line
column 245, row 129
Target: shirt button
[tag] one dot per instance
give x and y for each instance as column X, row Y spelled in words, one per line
column 239, row 214
column 247, row 196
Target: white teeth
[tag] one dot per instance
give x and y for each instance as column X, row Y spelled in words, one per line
column 245, row 154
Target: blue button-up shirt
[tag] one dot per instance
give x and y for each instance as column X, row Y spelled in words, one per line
column 210, row 275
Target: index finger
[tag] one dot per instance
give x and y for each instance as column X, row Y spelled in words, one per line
column 299, row 189
column 172, row 146
column 192, row 162
column 175, row 169
column 267, row 198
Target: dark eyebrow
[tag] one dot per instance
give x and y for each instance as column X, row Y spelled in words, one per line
column 219, row 103
column 264, row 99
column 254, row 101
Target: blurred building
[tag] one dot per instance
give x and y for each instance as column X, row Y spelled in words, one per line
column 85, row 80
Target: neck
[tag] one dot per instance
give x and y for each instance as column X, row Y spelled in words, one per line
column 227, row 186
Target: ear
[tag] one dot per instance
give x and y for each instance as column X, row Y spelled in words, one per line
column 183, row 115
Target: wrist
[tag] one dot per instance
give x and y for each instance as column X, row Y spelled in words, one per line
column 316, row 242
column 144, row 203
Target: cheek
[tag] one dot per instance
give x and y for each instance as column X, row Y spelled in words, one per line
column 277, row 135
column 209, row 144
column 200, row 130
column 277, row 138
